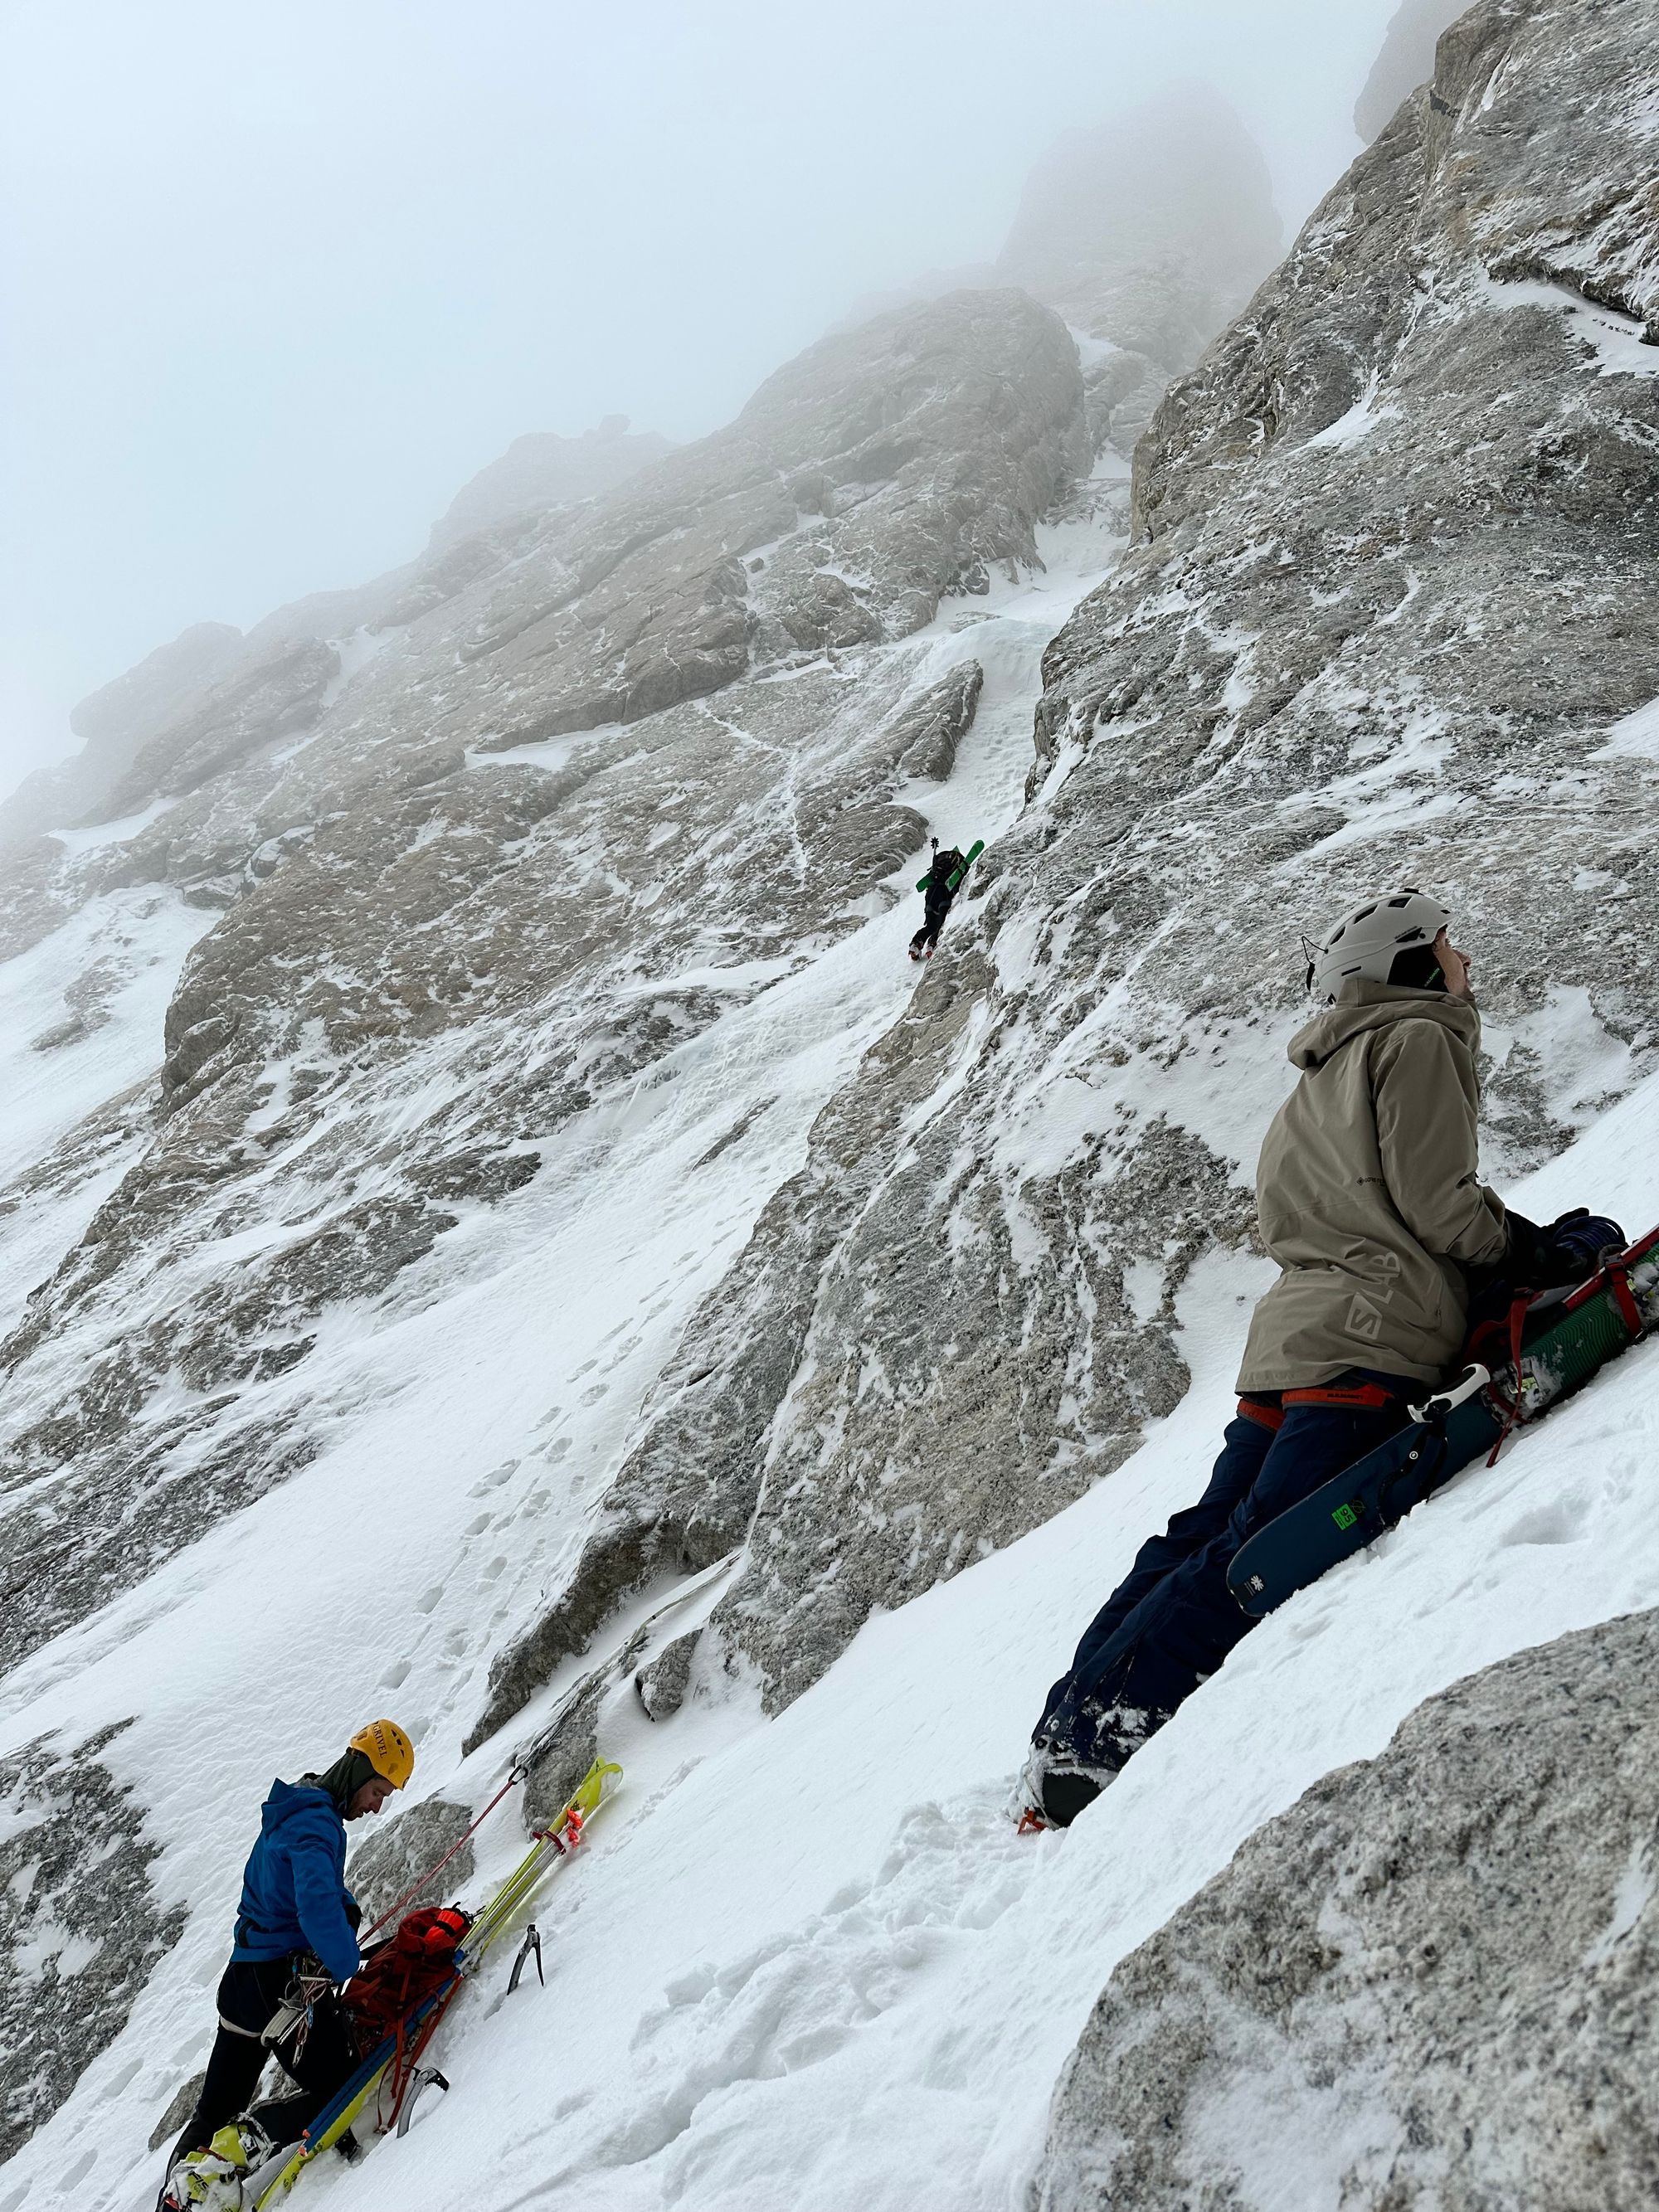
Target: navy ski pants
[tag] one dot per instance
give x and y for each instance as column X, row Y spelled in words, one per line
column 1172, row 1621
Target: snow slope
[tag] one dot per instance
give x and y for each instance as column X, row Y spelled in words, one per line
column 819, row 1969
column 808, row 1961
column 470, row 1423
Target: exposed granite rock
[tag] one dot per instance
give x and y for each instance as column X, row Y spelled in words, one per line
column 931, row 726
column 397, row 1851
column 1428, row 1984
column 81, row 1928
column 180, row 2107
column 663, row 1684
column 1405, row 62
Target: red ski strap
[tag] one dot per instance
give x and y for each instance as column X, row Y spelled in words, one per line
column 1514, row 1410
column 1630, row 1313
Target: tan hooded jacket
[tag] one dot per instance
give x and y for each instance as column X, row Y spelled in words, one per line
column 1367, row 1195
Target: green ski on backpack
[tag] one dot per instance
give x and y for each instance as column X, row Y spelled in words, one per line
column 956, row 874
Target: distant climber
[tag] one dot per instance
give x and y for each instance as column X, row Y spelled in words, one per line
column 295, row 1946
column 939, row 887
column 1368, row 1198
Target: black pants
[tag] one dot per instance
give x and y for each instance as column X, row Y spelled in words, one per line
column 927, row 936
column 249, row 1996
column 1172, row 1621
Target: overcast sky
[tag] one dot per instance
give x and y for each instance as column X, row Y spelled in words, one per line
column 279, row 278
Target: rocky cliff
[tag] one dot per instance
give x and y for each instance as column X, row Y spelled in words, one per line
column 446, row 871
column 406, row 888
column 1148, row 234
column 1192, row 233
column 1405, row 64
column 1387, row 597
column 1426, row 1984
column 541, row 470
column 492, row 1228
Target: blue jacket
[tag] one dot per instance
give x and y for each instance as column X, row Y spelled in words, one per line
column 293, row 1891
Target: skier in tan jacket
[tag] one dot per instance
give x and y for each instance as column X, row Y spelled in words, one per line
column 1369, row 1200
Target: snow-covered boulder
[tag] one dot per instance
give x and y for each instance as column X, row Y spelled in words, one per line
column 1428, row 1983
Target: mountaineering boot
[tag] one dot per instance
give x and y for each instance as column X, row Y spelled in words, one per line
column 1050, row 1795
column 210, row 2180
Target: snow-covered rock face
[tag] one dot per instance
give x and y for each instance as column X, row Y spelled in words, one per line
column 449, row 879
column 445, row 938
column 1393, row 591
column 79, row 1928
column 1429, row 1983
column 1405, row 62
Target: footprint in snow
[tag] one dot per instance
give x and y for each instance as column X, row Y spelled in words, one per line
column 1562, row 1521
column 806, row 1992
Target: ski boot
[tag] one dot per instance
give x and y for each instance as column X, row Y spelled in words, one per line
column 211, row 2180
column 1050, row 1795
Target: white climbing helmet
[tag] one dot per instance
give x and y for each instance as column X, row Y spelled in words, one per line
column 1366, row 942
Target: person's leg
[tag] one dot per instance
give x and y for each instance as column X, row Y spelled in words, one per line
column 325, row 2064
column 248, row 1996
column 1067, row 1737
column 1183, row 1629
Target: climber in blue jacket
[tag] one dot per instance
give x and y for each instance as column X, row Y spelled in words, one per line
column 296, row 1943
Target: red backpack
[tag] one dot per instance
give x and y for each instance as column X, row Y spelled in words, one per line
column 399, row 1975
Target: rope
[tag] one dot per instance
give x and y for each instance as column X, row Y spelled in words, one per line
column 392, row 1911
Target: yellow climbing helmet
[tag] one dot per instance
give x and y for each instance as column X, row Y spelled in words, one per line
column 387, row 1750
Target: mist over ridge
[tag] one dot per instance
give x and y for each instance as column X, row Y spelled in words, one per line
column 262, row 358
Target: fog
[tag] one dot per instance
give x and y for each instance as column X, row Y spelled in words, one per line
column 279, row 279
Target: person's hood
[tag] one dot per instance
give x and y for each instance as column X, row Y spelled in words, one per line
column 296, row 1805
column 343, row 1779
column 1362, row 1005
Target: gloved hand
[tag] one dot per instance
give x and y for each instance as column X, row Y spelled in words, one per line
column 1566, row 1252
column 1524, row 1260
